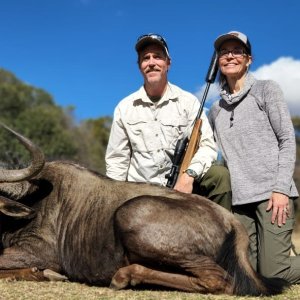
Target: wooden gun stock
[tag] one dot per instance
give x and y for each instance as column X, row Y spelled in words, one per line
column 192, row 146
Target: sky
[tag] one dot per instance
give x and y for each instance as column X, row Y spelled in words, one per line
column 82, row 51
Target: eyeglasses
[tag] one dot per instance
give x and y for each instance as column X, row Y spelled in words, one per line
column 155, row 37
column 237, row 53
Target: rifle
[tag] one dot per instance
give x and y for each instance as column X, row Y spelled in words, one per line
column 186, row 148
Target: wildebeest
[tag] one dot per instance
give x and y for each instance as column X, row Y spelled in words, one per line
column 99, row 231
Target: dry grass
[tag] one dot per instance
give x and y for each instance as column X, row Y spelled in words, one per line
column 66, row 291
column 17, row 290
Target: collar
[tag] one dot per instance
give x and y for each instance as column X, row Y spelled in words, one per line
column 234, row 98
column 170, row 94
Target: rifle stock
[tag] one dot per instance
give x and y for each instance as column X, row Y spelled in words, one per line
column 192, row 146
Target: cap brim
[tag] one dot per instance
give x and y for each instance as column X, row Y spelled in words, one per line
column 226, row 37
column 147, row 41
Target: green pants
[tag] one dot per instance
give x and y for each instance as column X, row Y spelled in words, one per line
column 215, row 185
column 270, row 245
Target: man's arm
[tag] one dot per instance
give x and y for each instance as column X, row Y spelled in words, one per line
column 118, row 150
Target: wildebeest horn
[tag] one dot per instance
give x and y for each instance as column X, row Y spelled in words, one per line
column 36, row 165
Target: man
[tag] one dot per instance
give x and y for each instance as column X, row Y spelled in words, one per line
column 148, row 123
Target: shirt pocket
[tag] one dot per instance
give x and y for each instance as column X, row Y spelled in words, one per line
column 140, row 135
column 173, row 129
column 151, row 135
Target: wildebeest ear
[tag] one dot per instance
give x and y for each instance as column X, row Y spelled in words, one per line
column 15, row 209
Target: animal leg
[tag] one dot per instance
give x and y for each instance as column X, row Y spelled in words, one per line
column 174, row 243
column 136, row 274
column 30, row 274
column 208, row 274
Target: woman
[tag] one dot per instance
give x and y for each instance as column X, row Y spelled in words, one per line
column 253, row 129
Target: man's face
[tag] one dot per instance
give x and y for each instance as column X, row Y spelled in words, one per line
column 154, row 64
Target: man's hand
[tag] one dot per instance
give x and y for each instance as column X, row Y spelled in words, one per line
column 184, row 184
column 279, row 203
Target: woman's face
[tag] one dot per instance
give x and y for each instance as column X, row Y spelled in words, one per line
column 233, row 59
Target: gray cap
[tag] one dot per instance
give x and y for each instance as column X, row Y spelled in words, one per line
column 233, row 35
column 151, row 38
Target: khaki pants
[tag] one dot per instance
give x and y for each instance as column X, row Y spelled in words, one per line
column 215, row 185
column 270, row 245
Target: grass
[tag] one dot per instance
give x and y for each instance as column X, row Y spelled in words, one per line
column 21, row 290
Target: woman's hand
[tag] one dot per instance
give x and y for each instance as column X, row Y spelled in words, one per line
column 279, row 203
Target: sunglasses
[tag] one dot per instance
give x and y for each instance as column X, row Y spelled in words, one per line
column 155, row 37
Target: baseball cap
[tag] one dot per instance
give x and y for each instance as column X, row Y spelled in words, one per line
column 233, row 35
column 151, row 38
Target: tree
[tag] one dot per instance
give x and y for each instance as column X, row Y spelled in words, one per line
column 94, row 138
column 296, row 122
column 32, row 112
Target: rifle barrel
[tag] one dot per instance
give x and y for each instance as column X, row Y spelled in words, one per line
column 210, row 78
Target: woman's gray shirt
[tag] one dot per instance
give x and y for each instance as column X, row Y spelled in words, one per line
column 254, row 131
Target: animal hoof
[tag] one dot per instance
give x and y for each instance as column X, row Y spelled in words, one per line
column 115, row 285
column 54, row 276
column 134, row 282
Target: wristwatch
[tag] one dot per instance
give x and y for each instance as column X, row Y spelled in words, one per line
column 191, row 173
